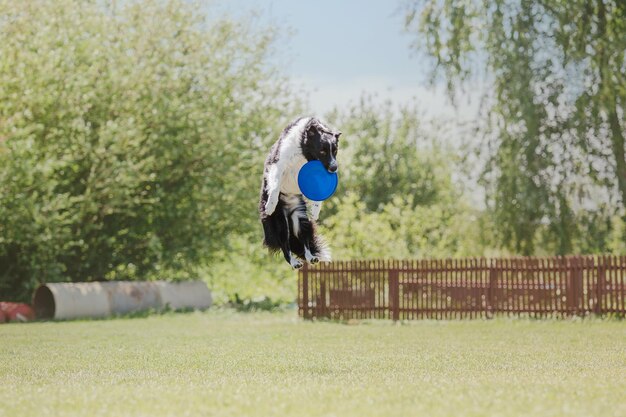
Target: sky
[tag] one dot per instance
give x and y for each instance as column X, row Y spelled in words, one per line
column 338, row 49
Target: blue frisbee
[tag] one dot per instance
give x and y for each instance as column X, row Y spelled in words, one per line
column 315, row 182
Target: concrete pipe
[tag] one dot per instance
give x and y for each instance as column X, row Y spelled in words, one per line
column 67, row 300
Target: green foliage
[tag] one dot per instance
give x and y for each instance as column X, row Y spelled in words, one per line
column 243, row 273
column 129, row 138
column 397, row 197
column 403, row 230
column 382, row 155
column 553, row 126
column 617, row 236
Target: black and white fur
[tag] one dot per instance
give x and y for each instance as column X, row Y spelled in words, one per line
column 286, row 224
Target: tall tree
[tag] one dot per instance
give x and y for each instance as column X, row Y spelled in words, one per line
column 397, row 196
column 131, row 135
column 555, row 119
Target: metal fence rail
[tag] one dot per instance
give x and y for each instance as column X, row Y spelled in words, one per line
column 464, row 288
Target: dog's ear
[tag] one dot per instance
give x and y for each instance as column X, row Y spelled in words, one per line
column 312, row 129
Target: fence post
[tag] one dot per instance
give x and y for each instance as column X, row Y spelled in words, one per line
column 493, row 281
column 305, row 291
column 579, row 293
column 394, row 292
column 601, row 276
column 572, row 294
column 324, row 311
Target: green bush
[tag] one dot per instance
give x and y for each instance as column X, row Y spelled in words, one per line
column 402, row 230
column 129, row 138
column 244, row 273
column 397, row 197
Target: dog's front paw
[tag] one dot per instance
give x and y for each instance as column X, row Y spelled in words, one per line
column 295, row 263
column 271, row 204
column 310, row 258
column 315, row 210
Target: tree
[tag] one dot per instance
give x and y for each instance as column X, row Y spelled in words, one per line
column 555, row 120
column 130, row 137
column 397, row 197
column 388, row 152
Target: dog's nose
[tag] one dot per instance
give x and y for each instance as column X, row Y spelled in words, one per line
column 332, row 168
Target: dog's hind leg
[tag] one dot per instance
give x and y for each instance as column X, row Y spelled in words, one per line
column 315, row 245
column 302, row 232
column 307, row 237
column 284, row 244
column 310, row 258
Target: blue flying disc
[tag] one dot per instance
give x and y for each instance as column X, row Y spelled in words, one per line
column 315, row 182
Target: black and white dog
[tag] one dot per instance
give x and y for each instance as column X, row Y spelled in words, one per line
column 283, row 210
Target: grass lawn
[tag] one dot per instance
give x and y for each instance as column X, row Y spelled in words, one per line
column 230, row 364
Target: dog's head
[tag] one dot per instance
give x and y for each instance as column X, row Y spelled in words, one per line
column 321, row 143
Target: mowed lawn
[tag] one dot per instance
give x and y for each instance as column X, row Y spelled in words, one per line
column 233, row 364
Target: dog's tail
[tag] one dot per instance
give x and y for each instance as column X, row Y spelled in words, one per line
column 323, row 250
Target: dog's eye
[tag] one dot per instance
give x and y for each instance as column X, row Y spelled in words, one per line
column 322, row 152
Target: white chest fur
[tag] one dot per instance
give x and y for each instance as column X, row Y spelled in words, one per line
column 289, row 181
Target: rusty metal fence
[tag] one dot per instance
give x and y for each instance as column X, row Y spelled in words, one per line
column 463, row 288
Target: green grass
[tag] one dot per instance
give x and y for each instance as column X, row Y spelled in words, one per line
column 225, row 364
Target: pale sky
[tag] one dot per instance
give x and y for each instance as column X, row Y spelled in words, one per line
column 338, row 49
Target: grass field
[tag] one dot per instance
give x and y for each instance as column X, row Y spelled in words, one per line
column 261, row 364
